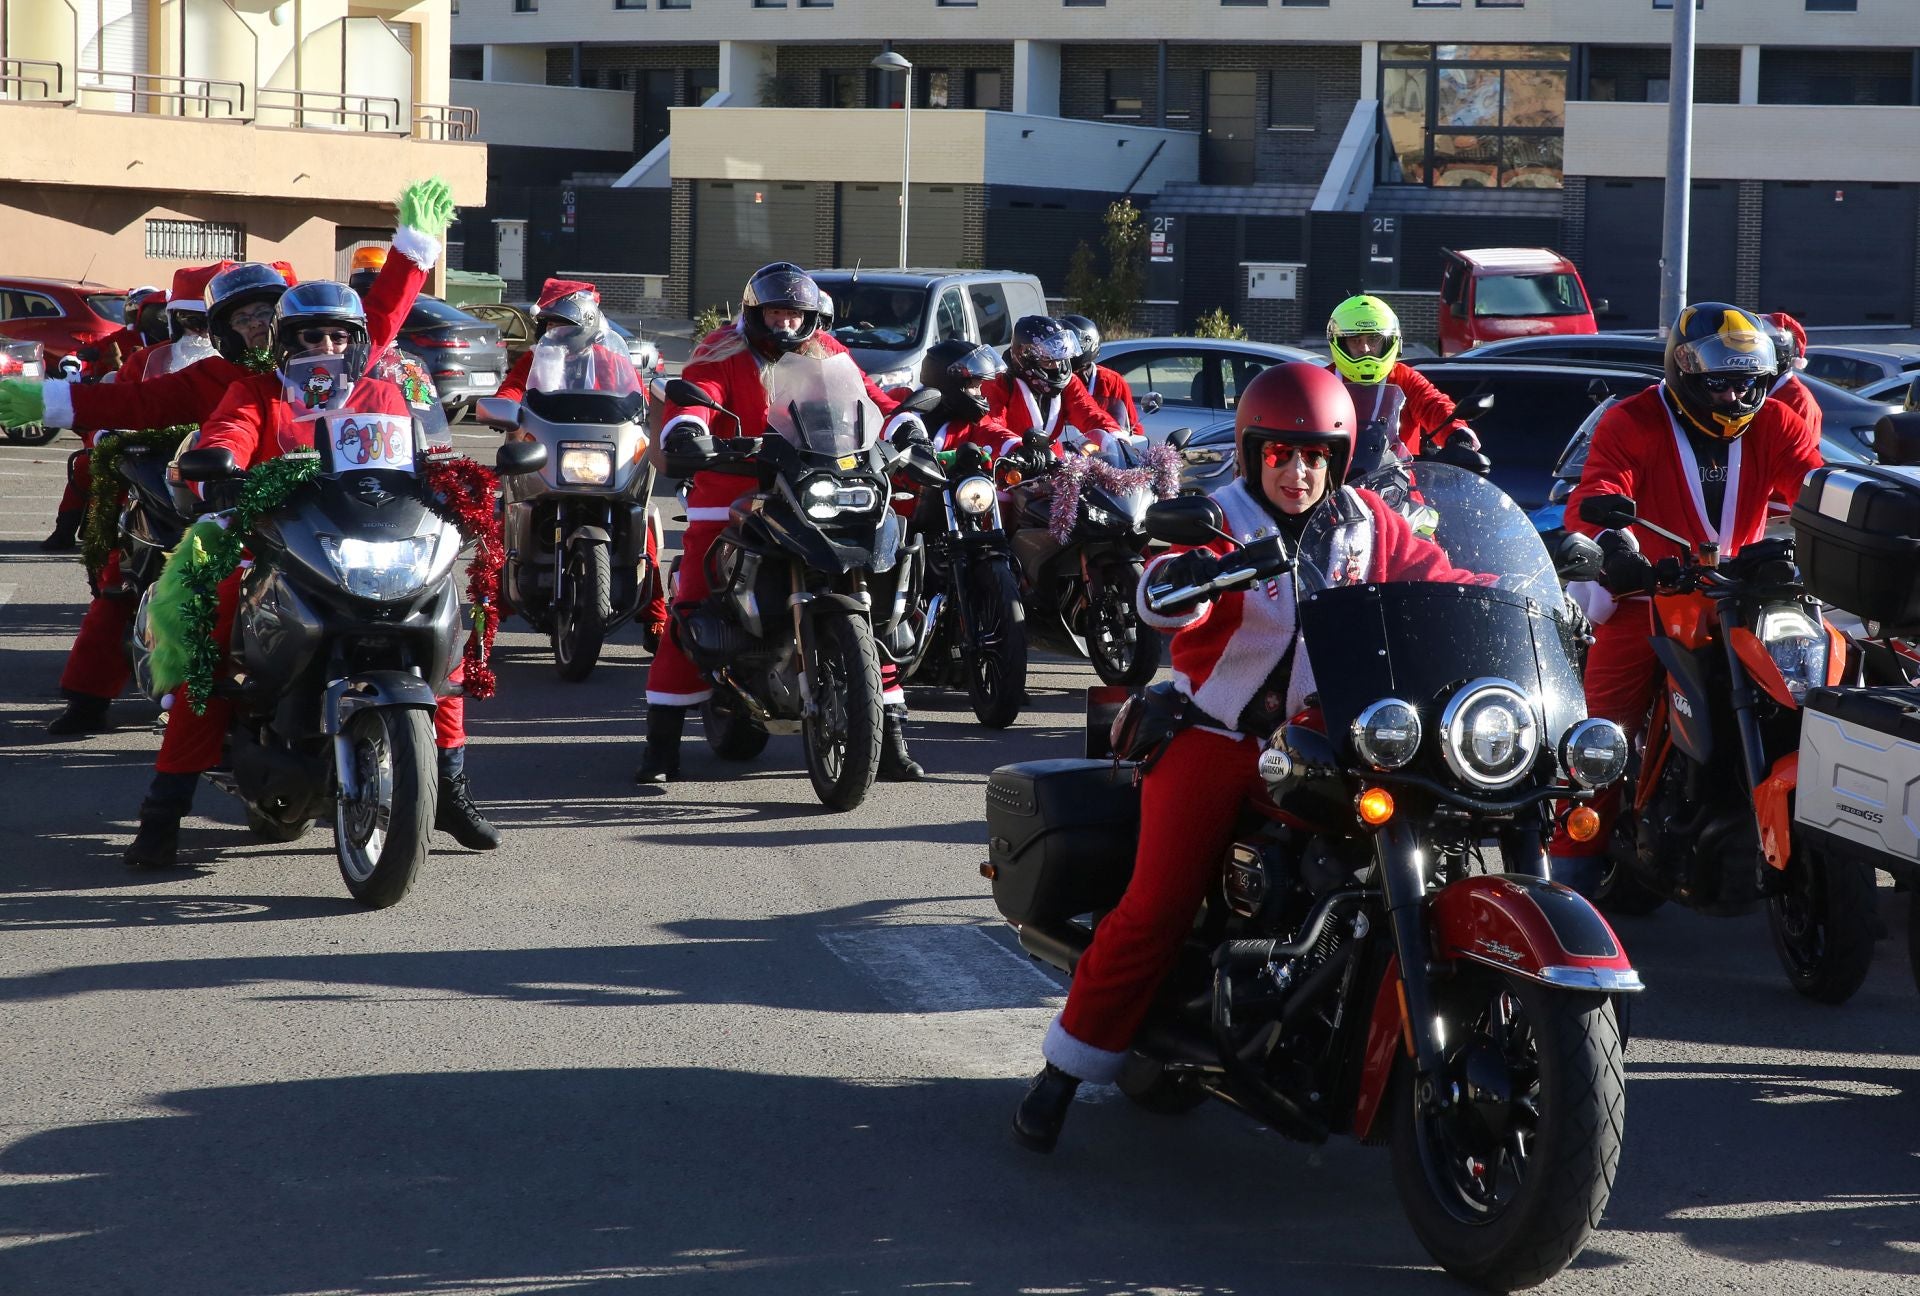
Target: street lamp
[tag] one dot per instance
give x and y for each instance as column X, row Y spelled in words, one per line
column 892, row 62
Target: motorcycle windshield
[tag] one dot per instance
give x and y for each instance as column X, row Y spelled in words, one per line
column 820, row 403
column 1475, row 597
column 576, row 378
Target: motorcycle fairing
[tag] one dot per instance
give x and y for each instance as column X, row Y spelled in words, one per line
column 1388, row 1034
column 1531, row 928
column 1689, row 717
column 1773, row 807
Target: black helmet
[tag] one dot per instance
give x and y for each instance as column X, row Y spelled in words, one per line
column 1042, row 354
column 780, row 284
column 1720, row 363
column 956, row 368
column 569, row 313
column 248, row 283
column 320, row 303
column 1087, row 334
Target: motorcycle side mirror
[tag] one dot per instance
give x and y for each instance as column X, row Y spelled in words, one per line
column 498, row 412
column 1461, row 455
column 681, row 392
column 213, row 464
column 1035, row 439
column 1178, row 438
column 922, row 468
column 1614, row 512
column 1187, row 520
column 1579, row 558
column 514, row 458
column 1152, row 402
column 1474, row 406
column 1896, row 439
column 924, row 401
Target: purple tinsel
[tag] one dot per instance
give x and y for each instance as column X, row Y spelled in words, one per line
column 1160, row 473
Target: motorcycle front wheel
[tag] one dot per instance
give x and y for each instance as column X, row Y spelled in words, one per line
column 1123, row 650
column 997, row 657
column 1505, row 1183
column 843, row 730
column 580, row 616
column 380, row 832
column 1822, row 924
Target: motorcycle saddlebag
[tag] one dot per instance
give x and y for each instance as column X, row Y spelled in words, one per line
column 1858, row 541
column 1859, row 778
column 1060, row 837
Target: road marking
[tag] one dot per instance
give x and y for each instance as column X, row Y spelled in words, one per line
column 924, row 968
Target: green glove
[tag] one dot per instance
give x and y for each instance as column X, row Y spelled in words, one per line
column 427, row 205
column 21, row 402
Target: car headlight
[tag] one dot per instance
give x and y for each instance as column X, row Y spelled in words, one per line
column 586, row 463
column 973, row 495
column 1490, row 734
column 824, row 498
column 1797, row 645
column 896, row 378
column 1594, row 752
column 1204, row 456
column 383, row 569
column 1387, row 734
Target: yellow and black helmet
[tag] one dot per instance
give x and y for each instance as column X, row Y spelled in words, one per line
column 1720, row 363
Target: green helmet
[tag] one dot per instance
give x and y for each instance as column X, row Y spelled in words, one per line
column 1364, row 335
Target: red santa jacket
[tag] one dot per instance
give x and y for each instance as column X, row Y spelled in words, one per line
column 1798, row 397
column 514, row 386
column 1013, row 403
column 1427, row 410
column 257, row 422
column 110, row 353
column 1112, row 394
column 727, row 369
column 1224, row 650
column 190, row 395
column 987, row 432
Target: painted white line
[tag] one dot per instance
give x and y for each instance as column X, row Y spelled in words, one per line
column 949, row 968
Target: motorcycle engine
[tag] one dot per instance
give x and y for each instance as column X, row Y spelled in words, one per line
column 1247, row 881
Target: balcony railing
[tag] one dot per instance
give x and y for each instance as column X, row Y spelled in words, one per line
column 446, row 122
column 34, row 81
column 211, row 96
column 331, row 110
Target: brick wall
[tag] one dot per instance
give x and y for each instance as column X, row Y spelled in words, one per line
column 973, row 227
column 624, row 294
column 826, row 224
column 1267, row 320
column 1573, row 220
column 801, row 68
column 1747, row 236
column 680, row 249
column 1620, row 72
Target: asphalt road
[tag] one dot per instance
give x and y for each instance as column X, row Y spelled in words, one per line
column 719, row 1041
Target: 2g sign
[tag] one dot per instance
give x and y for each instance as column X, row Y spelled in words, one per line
column 1382, row 269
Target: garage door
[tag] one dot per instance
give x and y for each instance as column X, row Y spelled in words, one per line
column 1838, row 253
column 739, row 226
column 870, row 226
column 1624, row 223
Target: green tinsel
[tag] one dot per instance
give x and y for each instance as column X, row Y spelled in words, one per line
column 100, row 534
column 257, row 360
column 186, row 601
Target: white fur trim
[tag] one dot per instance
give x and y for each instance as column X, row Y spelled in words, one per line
column 709, row 514
column 694, row 421
column 1598, row 605
column 1079, row 1059
column 416, row 246
column 678, row 699
column 57, row 395
column 893, row 696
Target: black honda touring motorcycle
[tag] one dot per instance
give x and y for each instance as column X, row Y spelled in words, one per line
column 1355, row 971
column 803, row 577
column 348, row 625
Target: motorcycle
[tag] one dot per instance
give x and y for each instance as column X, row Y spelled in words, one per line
column 1353, row 972
column 1709, row 822
column 817, row 541
column 583, row 542
column 1081, row 544
column 348, row 626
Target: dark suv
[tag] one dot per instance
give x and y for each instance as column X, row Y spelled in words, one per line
column 463, row 354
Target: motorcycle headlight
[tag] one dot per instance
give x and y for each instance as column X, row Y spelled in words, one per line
column 384, row 569
column 585, row 463
column 974, row 495
column 1594, row 753
column 1387, row 734
column 825, row 498
column 1797, row 645
column 1491, row 735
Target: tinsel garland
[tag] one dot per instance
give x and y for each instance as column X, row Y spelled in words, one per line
column 100, row 534
column 463, row 492
column 1160, row 473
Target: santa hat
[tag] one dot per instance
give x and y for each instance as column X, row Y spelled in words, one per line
column 190, row 285
column 1782, row 320
column 285, row 271
column 557, row 290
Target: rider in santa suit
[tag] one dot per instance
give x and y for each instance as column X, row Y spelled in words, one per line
column 1240, row 662
column 110, row 353
column 1039, row 391
column 1363, row 337
column 562, row 302
column 1790, row 348
column 1701, row 454
column 1107, row 388
column 779, row 315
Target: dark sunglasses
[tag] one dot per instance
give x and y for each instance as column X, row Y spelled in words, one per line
column 1276, row 454
column 1730, row 382
column 315, row 337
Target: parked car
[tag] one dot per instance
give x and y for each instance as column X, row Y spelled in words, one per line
column 62, row 315
column 516, row 326
column 1191, row 382
column 1854, row 367
column 1491, row 293
column 462, row 353
column 888, row 318
column 23, row 359
column 1891, row 390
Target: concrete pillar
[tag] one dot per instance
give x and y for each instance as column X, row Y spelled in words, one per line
column 524, row 64
column 1036, row 77
column 1369, row 69
column 743, row 64
column 1749, row 74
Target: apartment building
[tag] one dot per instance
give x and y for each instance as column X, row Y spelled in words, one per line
column 668, row 145
column 145, row 134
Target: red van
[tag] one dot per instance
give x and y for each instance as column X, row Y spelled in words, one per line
column 1490, row 293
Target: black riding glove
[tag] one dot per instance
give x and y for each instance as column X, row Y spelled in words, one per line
column 1194, row 567
column 1626, row 570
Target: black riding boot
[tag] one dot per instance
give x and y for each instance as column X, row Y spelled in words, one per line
column 85, row 714
column 660, row 763
column 895, row 765
column 66, row 532
column 457, row 815
column 157, row 844
column 1037, row 1122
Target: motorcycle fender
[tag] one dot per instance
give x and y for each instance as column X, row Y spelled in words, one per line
column 1530, row 928
column 1688, row 716
column 1773, row 807
column 597, row 534
column 383, row 688
column 1387, row 1036
column 815, row 604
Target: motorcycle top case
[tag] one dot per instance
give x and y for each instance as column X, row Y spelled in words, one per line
column 1858, row 541
column 1859, row 776
column 1060, row 837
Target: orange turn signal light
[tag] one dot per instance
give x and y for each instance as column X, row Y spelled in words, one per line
column 1583, row 824
column 1010, row 477
column 1376, row 807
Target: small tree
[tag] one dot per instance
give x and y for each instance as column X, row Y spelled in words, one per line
column 709, row 318
column 1111, row 299
column 1215, row 324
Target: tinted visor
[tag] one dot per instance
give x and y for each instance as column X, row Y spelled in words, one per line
column 977, row 365
column 1362, row 346
column 1052, row 349
column 1726, row 353
column 790, row 288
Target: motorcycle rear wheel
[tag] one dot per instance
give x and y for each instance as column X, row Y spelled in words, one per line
column 997, row 657
column 732, row 734
column 1504, row 1187
column 1823, row 924
column 843, row 733
column 380, row 836
column 1124, row 650
column 580, row 618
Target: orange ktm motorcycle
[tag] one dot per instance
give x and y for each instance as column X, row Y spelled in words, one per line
column 1710, row 822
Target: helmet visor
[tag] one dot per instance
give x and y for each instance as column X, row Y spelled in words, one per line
column 1743, row 352
column 1365, row 346
column 977, row 365
column 1052, row 349
column 793, row 289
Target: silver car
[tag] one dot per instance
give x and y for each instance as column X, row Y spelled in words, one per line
column 1183, row 382
column 889, row 318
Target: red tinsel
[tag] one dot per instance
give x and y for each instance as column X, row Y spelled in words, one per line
column 463, row 492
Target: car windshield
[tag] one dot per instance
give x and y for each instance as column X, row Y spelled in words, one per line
column 820, row 403
column 1496, row 296
column 111, row 307
column 875, row 316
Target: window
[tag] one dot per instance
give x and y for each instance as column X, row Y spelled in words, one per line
column 842, row 90
column 26, row 305
column 1436, row 4
column 939, row 89
column 816, row 4
column 1289, row 101
column 1515, row 296
column 950, row 321
column 1303, row 4
column 1473, row 116
column 676, row 4
column 1668, row 4
column 702, row 83
column 1244, row 4
column 1657, row 89
column 1126, row 93
column 1499, row 4
column 1084, row 4
column 769, row 4
column 990, row 310
column 186, row 240
column 1179, row 378
column 526, row 6
column 1235, row 373
column 589, row 78
column 1833, row 6
column 629, row 4
column 984, row 89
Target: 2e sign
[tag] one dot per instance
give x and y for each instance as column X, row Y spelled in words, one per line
column 1382, row 270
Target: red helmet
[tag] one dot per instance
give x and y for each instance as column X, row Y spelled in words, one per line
column 1299, row 403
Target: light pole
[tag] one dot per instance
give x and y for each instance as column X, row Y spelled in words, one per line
column 892, row 62
column 1673, row 249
